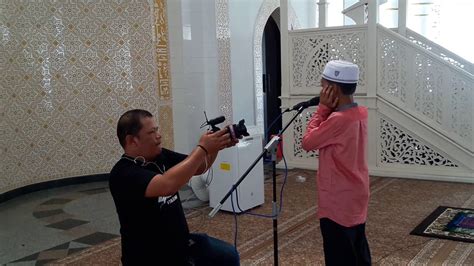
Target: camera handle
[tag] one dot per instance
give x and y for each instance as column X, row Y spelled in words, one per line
column 270, row 148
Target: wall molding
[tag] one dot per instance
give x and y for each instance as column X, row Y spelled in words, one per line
column 224, row 86
column 165, row 107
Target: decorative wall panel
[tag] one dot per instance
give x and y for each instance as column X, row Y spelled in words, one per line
column 399, row 147
column 223, row 51
column 310, row 51
column 69, row 70
column 393, row 75
column 299, row 128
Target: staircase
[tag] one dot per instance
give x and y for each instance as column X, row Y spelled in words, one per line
column 421, row 118
column 440, row 51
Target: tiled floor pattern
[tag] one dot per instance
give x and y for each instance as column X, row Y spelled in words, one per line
column 41, row 227
column 66, row 249
column 396, row 207
column 49, row 211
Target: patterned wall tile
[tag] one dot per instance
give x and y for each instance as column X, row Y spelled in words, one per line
column 70, row 69
column 166, row 125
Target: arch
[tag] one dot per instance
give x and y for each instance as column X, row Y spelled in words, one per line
column 266, row 10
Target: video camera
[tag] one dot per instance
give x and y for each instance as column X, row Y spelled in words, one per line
column 237, row 131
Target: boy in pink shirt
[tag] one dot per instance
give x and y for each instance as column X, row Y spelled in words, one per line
column 338, row 129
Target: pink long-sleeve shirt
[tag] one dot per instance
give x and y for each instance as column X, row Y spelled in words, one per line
column 342, row 178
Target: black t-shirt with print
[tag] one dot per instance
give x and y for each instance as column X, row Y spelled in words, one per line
column 153, row 230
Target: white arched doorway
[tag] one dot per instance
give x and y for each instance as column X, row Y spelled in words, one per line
column 267, row 8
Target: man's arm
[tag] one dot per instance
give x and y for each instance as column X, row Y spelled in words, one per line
column 211, row 157
column 207, row 164
column 172, row 180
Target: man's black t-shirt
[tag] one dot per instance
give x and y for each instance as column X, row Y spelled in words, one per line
column 154, row 230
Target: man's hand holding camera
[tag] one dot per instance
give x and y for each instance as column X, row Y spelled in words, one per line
column 213, row 142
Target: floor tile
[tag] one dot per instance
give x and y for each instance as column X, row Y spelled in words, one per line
column 62, row 246
column 52, row 254
column 31, row 257
column 56, row 201
column 67, row 224
column 57, row 218
column 43, row 214
column 80, row 231
column 95, row 238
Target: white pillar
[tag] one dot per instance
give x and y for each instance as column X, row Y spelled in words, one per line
column 323, row 10
column 373, row 6
column 312, row 14
column 402, row 17
column 285, row 76
column 372, row 47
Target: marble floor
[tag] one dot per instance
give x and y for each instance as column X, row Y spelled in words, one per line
column 66, row 224
column 43, row 226
column 47, row 225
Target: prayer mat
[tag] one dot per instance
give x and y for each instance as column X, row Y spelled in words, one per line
column 448, row 223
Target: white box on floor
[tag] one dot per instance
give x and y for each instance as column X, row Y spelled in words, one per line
column 230, row 165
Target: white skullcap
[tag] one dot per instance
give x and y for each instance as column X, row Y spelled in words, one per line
column 341, row 71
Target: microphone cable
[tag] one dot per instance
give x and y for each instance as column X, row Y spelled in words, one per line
column 273, row 123
column 256, row 214
column 280, row 202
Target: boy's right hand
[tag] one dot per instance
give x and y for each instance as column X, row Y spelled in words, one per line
column 328, row 96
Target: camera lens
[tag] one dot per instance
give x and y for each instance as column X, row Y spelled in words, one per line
column 239, row 130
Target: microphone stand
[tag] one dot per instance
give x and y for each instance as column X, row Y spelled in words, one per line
column 271, row 149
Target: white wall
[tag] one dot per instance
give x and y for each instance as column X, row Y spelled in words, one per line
column 192, row 34
column 306, row 11
column 194, row 62
column 242, row 17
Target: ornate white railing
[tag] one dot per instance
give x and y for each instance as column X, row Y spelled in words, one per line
column 421, row 104
column 310, row 50
column 426, row 86
column 440, row 51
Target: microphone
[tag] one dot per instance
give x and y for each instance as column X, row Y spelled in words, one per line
column 311, row 102
column 213, row 122
column 216, row 120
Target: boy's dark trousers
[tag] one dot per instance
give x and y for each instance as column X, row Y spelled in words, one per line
column 344, row 245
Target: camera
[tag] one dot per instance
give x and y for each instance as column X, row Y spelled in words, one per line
column 236, row 131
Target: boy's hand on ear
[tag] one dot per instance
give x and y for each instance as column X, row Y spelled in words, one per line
column 328, row 97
